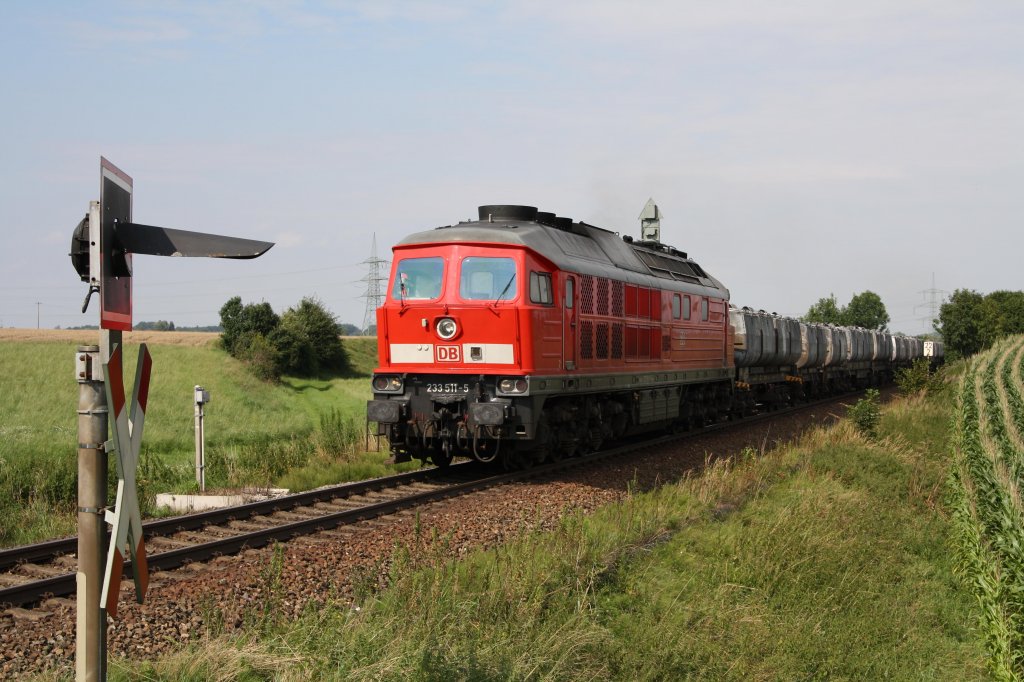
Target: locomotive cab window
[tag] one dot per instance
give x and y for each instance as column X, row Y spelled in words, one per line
column 488, row 279
column 686, row 307
column 676, row 307
column 704, row 309
column 418, row 279
column 540, row 288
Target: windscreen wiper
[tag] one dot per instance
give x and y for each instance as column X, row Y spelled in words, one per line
column 502, row 294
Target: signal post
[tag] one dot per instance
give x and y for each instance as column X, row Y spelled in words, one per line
column 101, row 251
column 92, row 501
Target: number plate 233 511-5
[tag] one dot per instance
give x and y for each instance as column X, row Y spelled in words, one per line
column 447, row 387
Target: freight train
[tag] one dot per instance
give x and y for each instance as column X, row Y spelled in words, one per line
column 523, row 336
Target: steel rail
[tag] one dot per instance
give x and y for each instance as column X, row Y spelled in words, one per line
column 63, row 585
column 51, row 549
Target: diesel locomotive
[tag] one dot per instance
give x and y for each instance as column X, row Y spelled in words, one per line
column 523, row 336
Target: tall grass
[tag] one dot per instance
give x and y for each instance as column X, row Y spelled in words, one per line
column 824, row 561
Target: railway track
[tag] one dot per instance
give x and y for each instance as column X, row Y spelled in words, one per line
column 33, row 573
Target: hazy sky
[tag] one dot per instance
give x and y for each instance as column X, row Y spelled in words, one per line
column 795, row 148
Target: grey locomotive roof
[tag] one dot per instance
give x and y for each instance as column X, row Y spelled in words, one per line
column 584, row 249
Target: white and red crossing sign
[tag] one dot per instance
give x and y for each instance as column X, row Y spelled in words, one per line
column 126, row 520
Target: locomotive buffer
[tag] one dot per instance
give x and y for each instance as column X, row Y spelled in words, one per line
column 101, row 251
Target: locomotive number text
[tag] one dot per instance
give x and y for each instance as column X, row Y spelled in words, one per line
column 448, row 388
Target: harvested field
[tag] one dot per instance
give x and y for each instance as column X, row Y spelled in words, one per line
column 84, row 336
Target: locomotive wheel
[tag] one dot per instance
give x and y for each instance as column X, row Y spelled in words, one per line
column 517, row 460
column 441, row 455
column 546, row 446
column 439, row 459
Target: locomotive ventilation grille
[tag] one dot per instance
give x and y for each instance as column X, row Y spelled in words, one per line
column 617, row 298
column 587, row 295
column 602, row 296
column 601, row 341
column 587, row 340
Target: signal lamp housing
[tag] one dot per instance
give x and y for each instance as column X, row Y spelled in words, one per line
column 513, row 386
column 387, row 383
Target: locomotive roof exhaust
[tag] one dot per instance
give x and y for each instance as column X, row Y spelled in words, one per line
column 492, row 212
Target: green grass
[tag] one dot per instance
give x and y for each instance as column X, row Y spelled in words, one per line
column 256, row 433
column 362, row 354
column 827, row 560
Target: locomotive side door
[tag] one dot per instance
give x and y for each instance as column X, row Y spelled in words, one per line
column 569, row 324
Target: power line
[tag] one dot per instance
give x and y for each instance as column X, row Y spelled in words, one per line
column 75, row 287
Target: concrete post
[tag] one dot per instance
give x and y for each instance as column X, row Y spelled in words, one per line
column 90, row 648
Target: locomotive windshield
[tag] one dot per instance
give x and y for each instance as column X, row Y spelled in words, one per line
column 418, row 279
column 488, row 279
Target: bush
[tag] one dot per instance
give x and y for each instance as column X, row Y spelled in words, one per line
column 317, row 328
column 261, row 356
column 866, row 413
column 241, row 321
column 294, row 354
column 915, row 378
column 303, row 341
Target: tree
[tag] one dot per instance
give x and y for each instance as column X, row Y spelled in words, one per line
column 231, row 323
column 303, row 341
column 960, row 322
column 970, row 322
column 1010, row 307
column 312, row 325
column 242, row 322
column 825, row 311
column 866, row 310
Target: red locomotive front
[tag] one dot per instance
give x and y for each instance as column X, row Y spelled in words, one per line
column 524, row 336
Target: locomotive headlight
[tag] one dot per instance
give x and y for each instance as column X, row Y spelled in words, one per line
column 383, row 383
column 513, row 386
column 446, row 328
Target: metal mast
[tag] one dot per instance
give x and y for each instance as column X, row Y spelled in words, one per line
column 933, row 300
column 376, row 278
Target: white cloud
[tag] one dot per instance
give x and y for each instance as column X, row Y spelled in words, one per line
column 289, row 238
column 639, row 23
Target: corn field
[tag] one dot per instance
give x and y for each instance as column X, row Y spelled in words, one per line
column 985, row 482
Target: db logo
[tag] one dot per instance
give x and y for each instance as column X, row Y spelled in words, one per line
column 449, row 353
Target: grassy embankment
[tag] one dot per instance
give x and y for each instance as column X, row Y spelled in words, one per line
column 297, row 434
column 826, row 560
column 988, row 511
